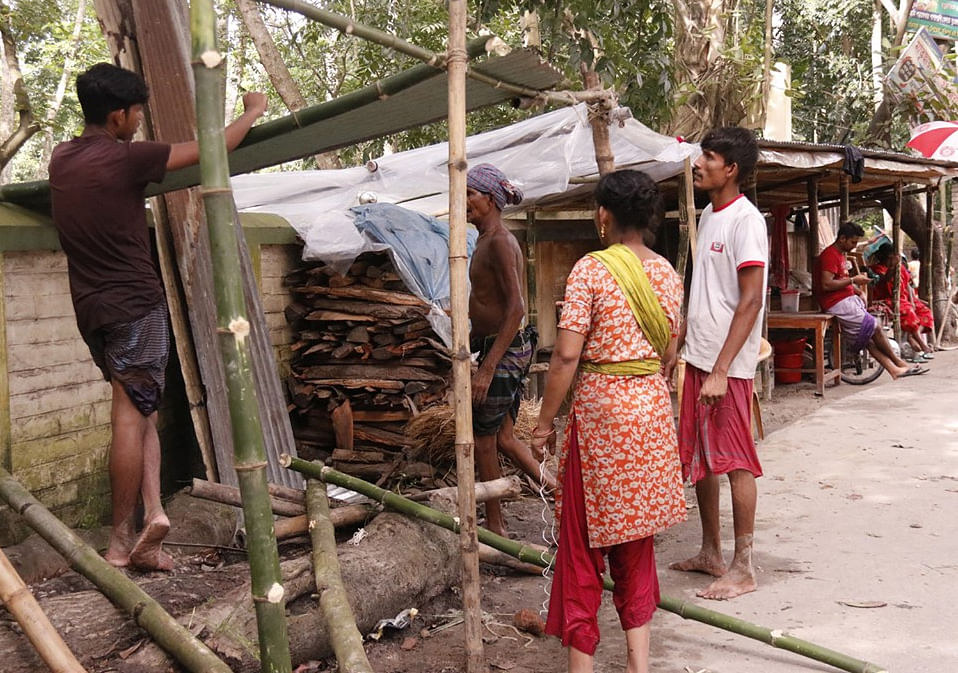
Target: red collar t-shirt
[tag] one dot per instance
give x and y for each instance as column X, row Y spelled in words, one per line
column 831, row 259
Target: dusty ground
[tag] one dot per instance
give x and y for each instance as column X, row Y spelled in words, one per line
column 855, row 510
column 852, row 537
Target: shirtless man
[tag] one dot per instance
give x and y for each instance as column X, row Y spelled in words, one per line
column 497, row 310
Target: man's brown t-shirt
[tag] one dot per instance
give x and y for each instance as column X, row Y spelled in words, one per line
column 97, row 185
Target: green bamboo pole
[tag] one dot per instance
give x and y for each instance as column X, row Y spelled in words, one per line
column 684, row 609
column 345, row 637
column 233, row 329
column 120, row 589
column 350, row 27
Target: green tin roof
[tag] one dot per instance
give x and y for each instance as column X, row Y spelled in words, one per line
column 414, row 97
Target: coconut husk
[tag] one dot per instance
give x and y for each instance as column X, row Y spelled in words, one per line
column 434, row 431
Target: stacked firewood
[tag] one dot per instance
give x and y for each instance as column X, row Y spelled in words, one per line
column 365, row 361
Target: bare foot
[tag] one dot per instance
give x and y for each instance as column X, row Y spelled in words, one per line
column 147, row 553
column 736, row 582
column 702, row 563
column 121, row 542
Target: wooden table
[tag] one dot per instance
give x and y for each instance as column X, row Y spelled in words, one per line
column 820, row 323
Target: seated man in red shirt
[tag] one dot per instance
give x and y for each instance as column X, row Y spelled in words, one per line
column 838, row 294
column 913, row 314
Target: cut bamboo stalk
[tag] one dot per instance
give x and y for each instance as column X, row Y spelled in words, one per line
column 462, row 358
column 125, row 594
column 345, row 638
column 17, row 598
column 230, row 495
column 774, row 637
column 233, row 328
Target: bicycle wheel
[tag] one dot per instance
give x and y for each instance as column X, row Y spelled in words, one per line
column 860, row 368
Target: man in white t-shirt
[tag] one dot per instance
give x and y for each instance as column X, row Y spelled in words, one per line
column 721, row 339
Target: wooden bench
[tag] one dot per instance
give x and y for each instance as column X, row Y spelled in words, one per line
column 819, row 323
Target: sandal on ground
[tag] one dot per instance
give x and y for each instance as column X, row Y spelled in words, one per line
column 916, row 370
column 927, row 356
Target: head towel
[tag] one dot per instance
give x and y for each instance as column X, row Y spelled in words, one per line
column 488, row 179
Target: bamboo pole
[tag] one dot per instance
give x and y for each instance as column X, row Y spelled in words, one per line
column 234, row 330
column 340, row 621
column 529, row 554
column 16, row 597
column 461, row 362
column 121, row 590
column 350, row 27
column 813, row 223
column 896, row 281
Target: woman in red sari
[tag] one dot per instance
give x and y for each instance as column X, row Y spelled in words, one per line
column 914, row 315
column 620, row 480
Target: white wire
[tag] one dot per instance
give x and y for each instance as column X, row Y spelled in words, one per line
column 548, row 535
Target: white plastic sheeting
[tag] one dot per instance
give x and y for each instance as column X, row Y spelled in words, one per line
column 538, row 155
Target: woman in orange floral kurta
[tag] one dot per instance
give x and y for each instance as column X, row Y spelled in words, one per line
column 619, row 472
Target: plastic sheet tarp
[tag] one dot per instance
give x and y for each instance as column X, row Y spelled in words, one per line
column 419, row 247
column 539, row 155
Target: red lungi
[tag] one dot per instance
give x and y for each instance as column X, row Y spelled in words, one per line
column 716, row 438
column 577, row 582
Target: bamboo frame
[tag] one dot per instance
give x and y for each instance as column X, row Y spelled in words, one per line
column 686, row 610
column 350, row 27
column 340, row 621
column 234, row 330
column 121, row 590
column 16, row 597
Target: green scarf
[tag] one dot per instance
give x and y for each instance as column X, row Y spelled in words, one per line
column 628, row 273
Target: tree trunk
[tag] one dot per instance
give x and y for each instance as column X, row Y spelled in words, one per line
column 27, row 126
column 278, row 73
column 69, row 61
column 401, row 563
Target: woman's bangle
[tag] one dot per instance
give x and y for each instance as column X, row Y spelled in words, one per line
column 537, row 435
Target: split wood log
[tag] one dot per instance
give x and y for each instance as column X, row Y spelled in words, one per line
column 342, row 517
column 342, row 418
column 23, row 606
column 493, row 556
column 368, row 371
column 230, row 495
column 344, row 637
column 145, row 611
column 503, row 487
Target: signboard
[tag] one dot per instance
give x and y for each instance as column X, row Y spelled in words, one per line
column 938, row 17
column 919, row 74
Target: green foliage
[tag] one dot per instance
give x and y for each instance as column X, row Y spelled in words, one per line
column 828, row 44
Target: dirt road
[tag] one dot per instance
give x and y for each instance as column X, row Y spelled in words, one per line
column 857, row 508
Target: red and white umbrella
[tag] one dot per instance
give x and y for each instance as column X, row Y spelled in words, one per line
column 936, row 140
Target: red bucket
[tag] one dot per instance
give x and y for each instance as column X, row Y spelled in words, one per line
column 788, row 361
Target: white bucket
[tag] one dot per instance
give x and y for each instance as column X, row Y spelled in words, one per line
column 790, row 300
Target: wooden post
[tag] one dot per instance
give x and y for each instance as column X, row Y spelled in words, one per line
column 687, row 227
column 843, row 199
column 812, row 250
column 925, row 275
column 462, row 384
column 532, row 304
column 896, row 283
